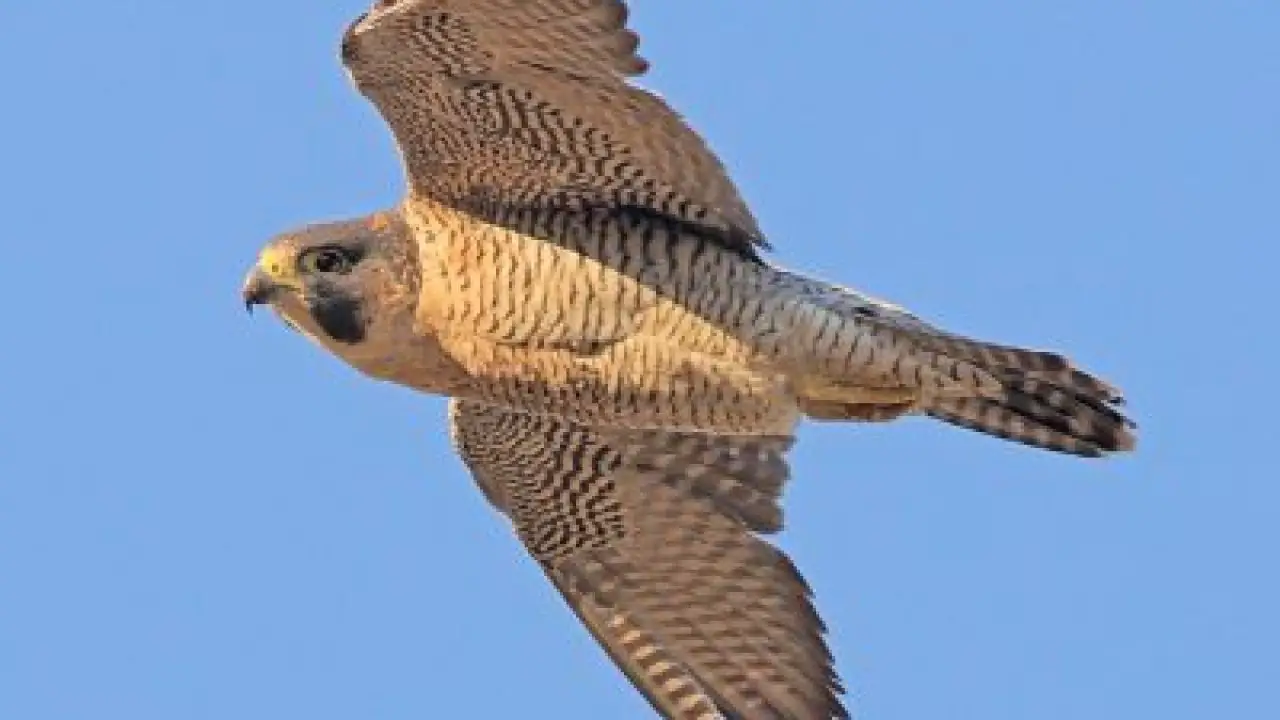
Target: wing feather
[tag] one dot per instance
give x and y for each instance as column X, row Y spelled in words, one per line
column 649, row 538
column 503, row 106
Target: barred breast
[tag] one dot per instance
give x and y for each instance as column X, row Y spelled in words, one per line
column 604, row 317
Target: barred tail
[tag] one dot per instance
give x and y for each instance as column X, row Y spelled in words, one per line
column 909, row 366
column 1029, row 396
column 1045, row 402
column 1042, row 414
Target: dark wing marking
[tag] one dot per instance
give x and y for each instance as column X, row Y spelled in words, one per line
column 649, row 538
column 505, row 106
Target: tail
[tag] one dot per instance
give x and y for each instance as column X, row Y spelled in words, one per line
column 1044, row 414
column 1044, row 403
column 1037, row 398
column 1069, row 412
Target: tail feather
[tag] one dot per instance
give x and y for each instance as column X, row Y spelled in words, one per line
column 1007, row 360
column 1042, row 415
column 990, row 418
column 1044, row 401
column 1034, row 397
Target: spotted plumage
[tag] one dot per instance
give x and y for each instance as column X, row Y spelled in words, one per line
column 574, row 267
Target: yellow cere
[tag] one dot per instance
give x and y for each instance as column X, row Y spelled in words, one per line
column 278, row 263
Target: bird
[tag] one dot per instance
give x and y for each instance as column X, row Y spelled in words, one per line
column 573, row 268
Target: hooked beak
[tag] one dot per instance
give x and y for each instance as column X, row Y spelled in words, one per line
column 258, row 289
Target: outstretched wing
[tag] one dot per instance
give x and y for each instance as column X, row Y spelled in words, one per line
column 505, row 106
column 651, row 539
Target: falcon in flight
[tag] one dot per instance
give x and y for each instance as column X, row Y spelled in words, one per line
column 573, row 267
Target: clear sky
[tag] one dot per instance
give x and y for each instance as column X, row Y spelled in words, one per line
column 201, row 516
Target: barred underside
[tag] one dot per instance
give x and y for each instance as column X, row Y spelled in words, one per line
column 1034, row 397
column 499, row 106
column 648, row 537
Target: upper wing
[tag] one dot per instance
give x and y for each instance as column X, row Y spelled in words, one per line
column 500, row 106
column 648, row 536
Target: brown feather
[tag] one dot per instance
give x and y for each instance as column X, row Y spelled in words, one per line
column 501, row 106
column 661, row 566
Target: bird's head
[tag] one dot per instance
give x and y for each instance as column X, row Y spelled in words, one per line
column 333, row 281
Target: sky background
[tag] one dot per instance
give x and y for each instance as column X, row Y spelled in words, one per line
column 201, row 516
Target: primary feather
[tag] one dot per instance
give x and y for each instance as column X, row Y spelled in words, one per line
column 649, row 537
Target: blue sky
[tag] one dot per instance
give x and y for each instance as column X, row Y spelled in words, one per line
column 201, row 516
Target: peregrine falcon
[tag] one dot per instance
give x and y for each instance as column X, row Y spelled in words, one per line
column 573, row 267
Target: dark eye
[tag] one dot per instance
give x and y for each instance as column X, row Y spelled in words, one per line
column 326, row 260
